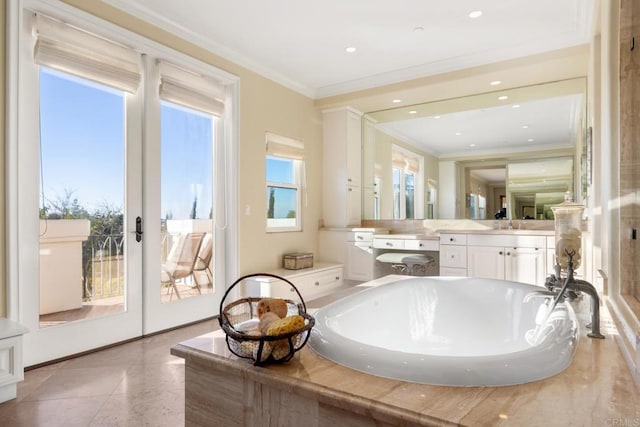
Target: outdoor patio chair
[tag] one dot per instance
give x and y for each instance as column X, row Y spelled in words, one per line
column 202, row 266
column 181, row 260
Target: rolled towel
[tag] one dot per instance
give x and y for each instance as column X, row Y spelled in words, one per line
column 272, row 305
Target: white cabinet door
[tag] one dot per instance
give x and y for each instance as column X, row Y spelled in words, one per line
column 354, row 149
column 354, row 204
column 453, row 256
column 342, row 147
column 359, row 265
column 526, row 265
column 485, row 261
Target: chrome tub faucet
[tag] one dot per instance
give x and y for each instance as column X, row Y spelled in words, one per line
column 569, row 287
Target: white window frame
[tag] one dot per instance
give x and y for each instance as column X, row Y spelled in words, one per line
column 296, row 185
column 287, row 149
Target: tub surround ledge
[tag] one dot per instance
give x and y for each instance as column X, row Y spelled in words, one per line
column 220, row 388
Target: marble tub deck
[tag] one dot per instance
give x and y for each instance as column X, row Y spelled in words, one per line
column 596, row 389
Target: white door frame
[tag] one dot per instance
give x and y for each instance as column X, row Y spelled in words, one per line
column 22, row 223
column 159, row 316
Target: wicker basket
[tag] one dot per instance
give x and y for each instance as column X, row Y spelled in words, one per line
column 237, row 318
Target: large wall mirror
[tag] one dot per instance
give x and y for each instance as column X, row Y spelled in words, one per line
column 509, row 153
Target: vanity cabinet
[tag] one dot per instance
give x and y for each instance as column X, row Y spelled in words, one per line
column 342, row 151
column 403, row 245
column 395, row 243
column 453, row 255
column 319, row 280
column 508, row 257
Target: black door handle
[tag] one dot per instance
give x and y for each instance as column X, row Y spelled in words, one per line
column 138, row 229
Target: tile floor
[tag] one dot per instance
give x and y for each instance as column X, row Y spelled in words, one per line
column 134, row 384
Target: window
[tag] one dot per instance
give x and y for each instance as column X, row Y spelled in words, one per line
column 407, row 184
column 284, row 178
column 82, row 162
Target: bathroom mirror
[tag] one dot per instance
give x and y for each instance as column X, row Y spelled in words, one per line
column 534, row 186
column 476, row 152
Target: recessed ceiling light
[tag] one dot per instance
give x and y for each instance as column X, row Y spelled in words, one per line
column 503, row 97
column 516, row 105
column 396, row 101
column 350, row 49
column 530, row 139
column 436, row 117
column 495, row 83
column 525, row 126
column 458, row 133
column 472, row 145
column 475, row 14
column 412, row 112
column 418, row 29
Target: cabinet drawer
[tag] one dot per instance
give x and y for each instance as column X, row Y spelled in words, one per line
column 361, row 236
column 327, row 280
column 453, row 239
column 321, row 284
column 388, row 243
column 422, row 245
column 453, row 256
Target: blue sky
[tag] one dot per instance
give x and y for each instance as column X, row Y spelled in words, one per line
column 83, row 155
column 83, row 150
column 281, row 171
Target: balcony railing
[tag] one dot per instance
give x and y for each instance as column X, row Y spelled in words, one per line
column 103, row 258
column 103, row 261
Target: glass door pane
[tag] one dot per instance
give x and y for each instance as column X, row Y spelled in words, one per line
column 187, row 238
column 82, row 250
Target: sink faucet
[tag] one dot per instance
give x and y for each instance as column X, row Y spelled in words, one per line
column 510, row 224
column 568, row 288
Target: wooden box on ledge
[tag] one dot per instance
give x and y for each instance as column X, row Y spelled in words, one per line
column 298, row 261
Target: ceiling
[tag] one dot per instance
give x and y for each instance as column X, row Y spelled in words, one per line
column 302, row 45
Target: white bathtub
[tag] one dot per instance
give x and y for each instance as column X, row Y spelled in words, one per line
column 449, row 331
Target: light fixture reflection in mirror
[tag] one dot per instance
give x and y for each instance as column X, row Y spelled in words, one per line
column 475, row 134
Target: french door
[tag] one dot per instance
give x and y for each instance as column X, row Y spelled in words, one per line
column 113, row 198
column 79, row 195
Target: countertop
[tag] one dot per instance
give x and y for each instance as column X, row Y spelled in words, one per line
column 504, row 231
column 597, row 389
column 409, row 236
column 378, row 230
